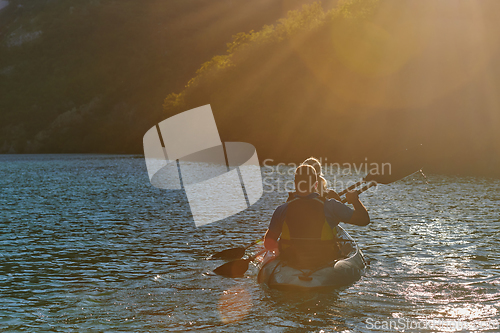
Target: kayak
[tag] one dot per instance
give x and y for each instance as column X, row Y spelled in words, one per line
column 337, row 274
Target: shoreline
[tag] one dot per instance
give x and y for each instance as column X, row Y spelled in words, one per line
column 430, row 170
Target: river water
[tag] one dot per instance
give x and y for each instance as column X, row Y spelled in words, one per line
column 88, row 245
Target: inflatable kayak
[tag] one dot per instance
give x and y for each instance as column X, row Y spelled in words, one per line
column 339, row 273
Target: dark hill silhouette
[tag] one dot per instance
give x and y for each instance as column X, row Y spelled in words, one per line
column 90, row 76
column 361, row 80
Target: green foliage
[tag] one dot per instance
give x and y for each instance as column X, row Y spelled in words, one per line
column 217, row 63
column 58, row 55
column 297, row 21
column 173, row 101
column 300, row 21
column 239, row 40
column 358, row 8
column 361, row 79
column 244, row 45
column 346, row 84
column 241, row 86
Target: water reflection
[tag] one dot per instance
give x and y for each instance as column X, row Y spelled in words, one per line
column 88, row 245
column 234, row 305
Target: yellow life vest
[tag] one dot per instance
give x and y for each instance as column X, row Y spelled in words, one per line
column 307, row 240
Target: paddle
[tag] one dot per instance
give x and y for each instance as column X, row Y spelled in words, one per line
column 234, row 253
column 384, row 179
column 363, row 189
column 236, row 268
column 401, row 165
column 350, row 188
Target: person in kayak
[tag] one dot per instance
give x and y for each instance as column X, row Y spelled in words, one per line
column 322, row 187
column 306, row 225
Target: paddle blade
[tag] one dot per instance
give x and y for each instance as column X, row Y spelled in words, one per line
column 233, row 269
column 230, row 254
column 398, row 166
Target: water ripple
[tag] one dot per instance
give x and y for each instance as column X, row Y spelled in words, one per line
column 88, row 245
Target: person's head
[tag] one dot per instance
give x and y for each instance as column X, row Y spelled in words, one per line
column 305, row 179
column 314, row 162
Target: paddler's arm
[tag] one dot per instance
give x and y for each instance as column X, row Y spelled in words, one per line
column 271, row 242
column 274, row 230
column 360, row 216
column 331, row 194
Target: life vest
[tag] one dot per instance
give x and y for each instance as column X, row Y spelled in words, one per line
column 307, row 240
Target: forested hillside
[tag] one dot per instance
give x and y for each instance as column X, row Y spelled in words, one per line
column 364, row 80
column 91, row 75
column 361, row 79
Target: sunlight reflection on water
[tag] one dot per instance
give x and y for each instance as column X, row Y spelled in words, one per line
column 87, row 244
